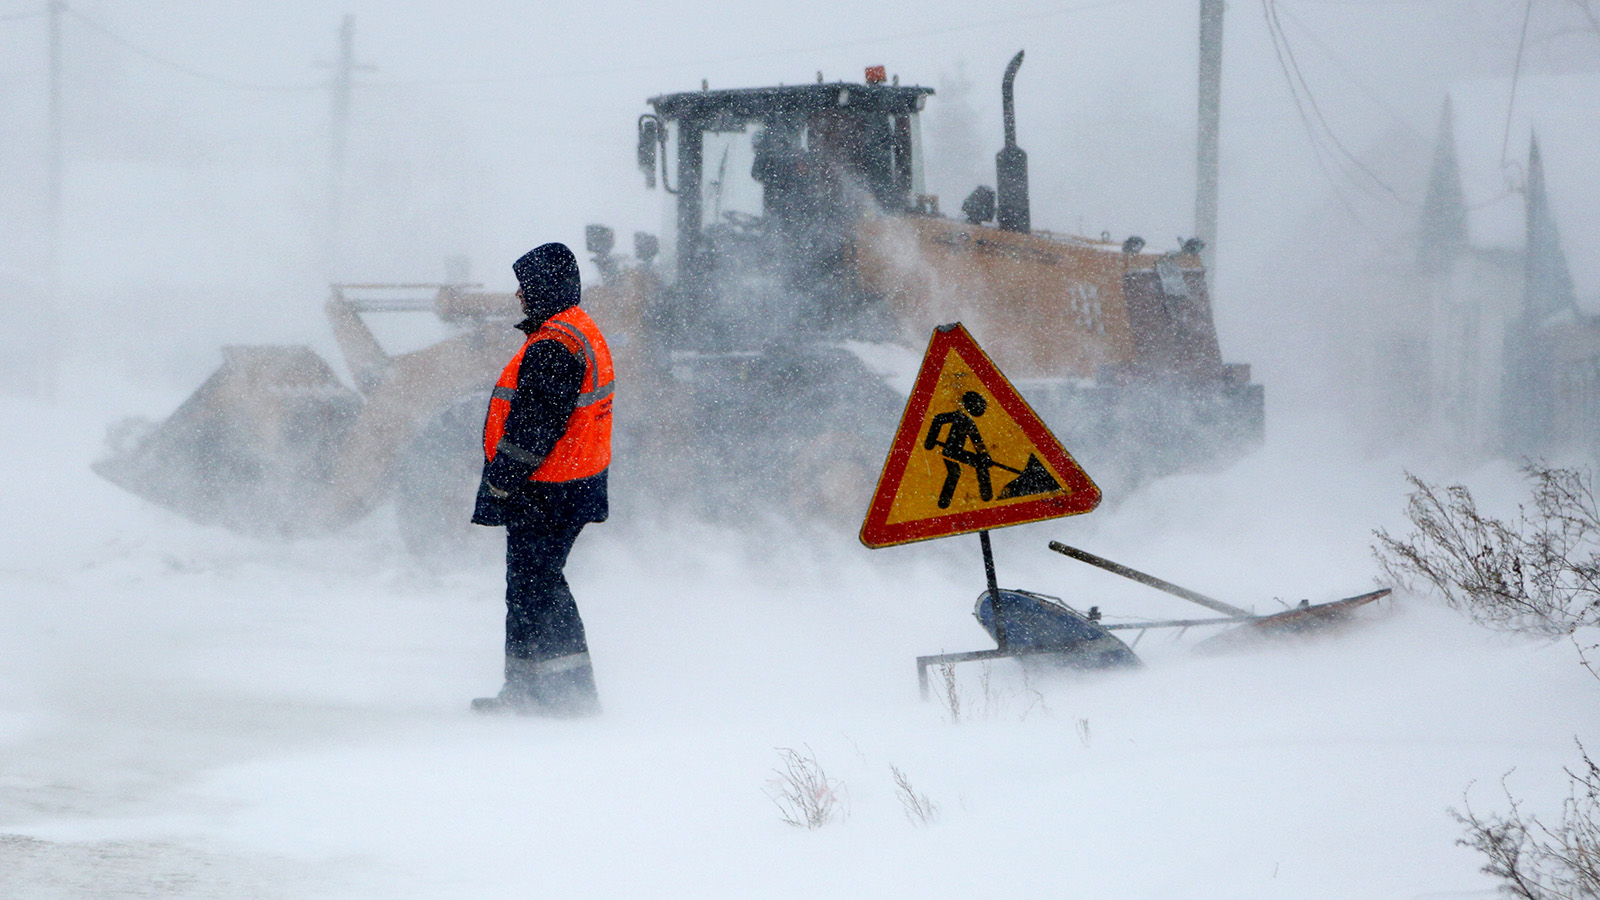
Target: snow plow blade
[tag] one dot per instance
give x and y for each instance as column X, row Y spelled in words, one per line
column 251, row 450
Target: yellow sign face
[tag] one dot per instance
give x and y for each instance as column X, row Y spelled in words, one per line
column 970, row 455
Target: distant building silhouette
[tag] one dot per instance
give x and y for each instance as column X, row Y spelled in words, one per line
column 1513, row 349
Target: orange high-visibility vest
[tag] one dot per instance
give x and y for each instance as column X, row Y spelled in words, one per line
column 584, row 450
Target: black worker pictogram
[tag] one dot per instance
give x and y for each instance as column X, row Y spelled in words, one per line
column 1033, row 478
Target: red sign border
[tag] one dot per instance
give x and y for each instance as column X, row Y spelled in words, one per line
column 1084, row 494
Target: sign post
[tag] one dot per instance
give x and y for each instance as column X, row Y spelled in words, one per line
column 994, row 590
column 970, row 455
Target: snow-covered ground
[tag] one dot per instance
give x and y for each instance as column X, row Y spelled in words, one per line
column 189, row 713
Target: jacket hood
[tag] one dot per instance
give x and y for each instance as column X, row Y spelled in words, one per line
column 548, row 276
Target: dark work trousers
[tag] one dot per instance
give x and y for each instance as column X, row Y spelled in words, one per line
column 542, row 619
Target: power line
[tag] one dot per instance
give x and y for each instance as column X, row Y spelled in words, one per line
column 1349, row 73
column 1317, row 150
column 1324, row 140
column 768, row 54
column 1294, row 94
column 1516, row 73
column 237, row 84
column 180, row 67
column 1317, row 110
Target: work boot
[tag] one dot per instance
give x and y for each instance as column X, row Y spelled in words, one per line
column 565, row 687
column 519, row 695
column 560, row 687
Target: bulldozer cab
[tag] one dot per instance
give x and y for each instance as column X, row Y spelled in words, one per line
column 764, row 189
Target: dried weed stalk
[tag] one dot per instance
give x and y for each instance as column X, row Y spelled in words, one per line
column 989, row 701
column 804, row 794
column 950, row 695
column 1539, row 573
column 919, row 809
column 1033, row 696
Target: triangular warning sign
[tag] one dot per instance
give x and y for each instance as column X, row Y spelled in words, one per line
column 970, row 455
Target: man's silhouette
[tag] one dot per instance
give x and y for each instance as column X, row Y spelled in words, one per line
column 962, row 431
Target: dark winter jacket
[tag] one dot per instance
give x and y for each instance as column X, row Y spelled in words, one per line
column 547, row 393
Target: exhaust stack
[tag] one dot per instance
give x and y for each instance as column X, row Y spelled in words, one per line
column 1011, row 163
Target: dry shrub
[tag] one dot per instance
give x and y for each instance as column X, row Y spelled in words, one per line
column 804, row 794
column 1539, row 573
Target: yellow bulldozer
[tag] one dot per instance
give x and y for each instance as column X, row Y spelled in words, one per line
column 764, row 340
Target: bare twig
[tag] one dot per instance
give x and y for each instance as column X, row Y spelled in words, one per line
column 1534, row 861
column 1583, row 657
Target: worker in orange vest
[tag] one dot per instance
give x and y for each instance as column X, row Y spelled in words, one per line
column 546, row 448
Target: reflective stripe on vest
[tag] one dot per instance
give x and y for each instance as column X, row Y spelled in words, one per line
column 584, row 450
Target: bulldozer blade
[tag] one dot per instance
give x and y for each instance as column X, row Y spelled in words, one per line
column 251, row 450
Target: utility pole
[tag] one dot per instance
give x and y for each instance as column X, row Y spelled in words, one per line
column 340, row 88
column 1206, row 153
column 54, row 163
column 47, row 352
